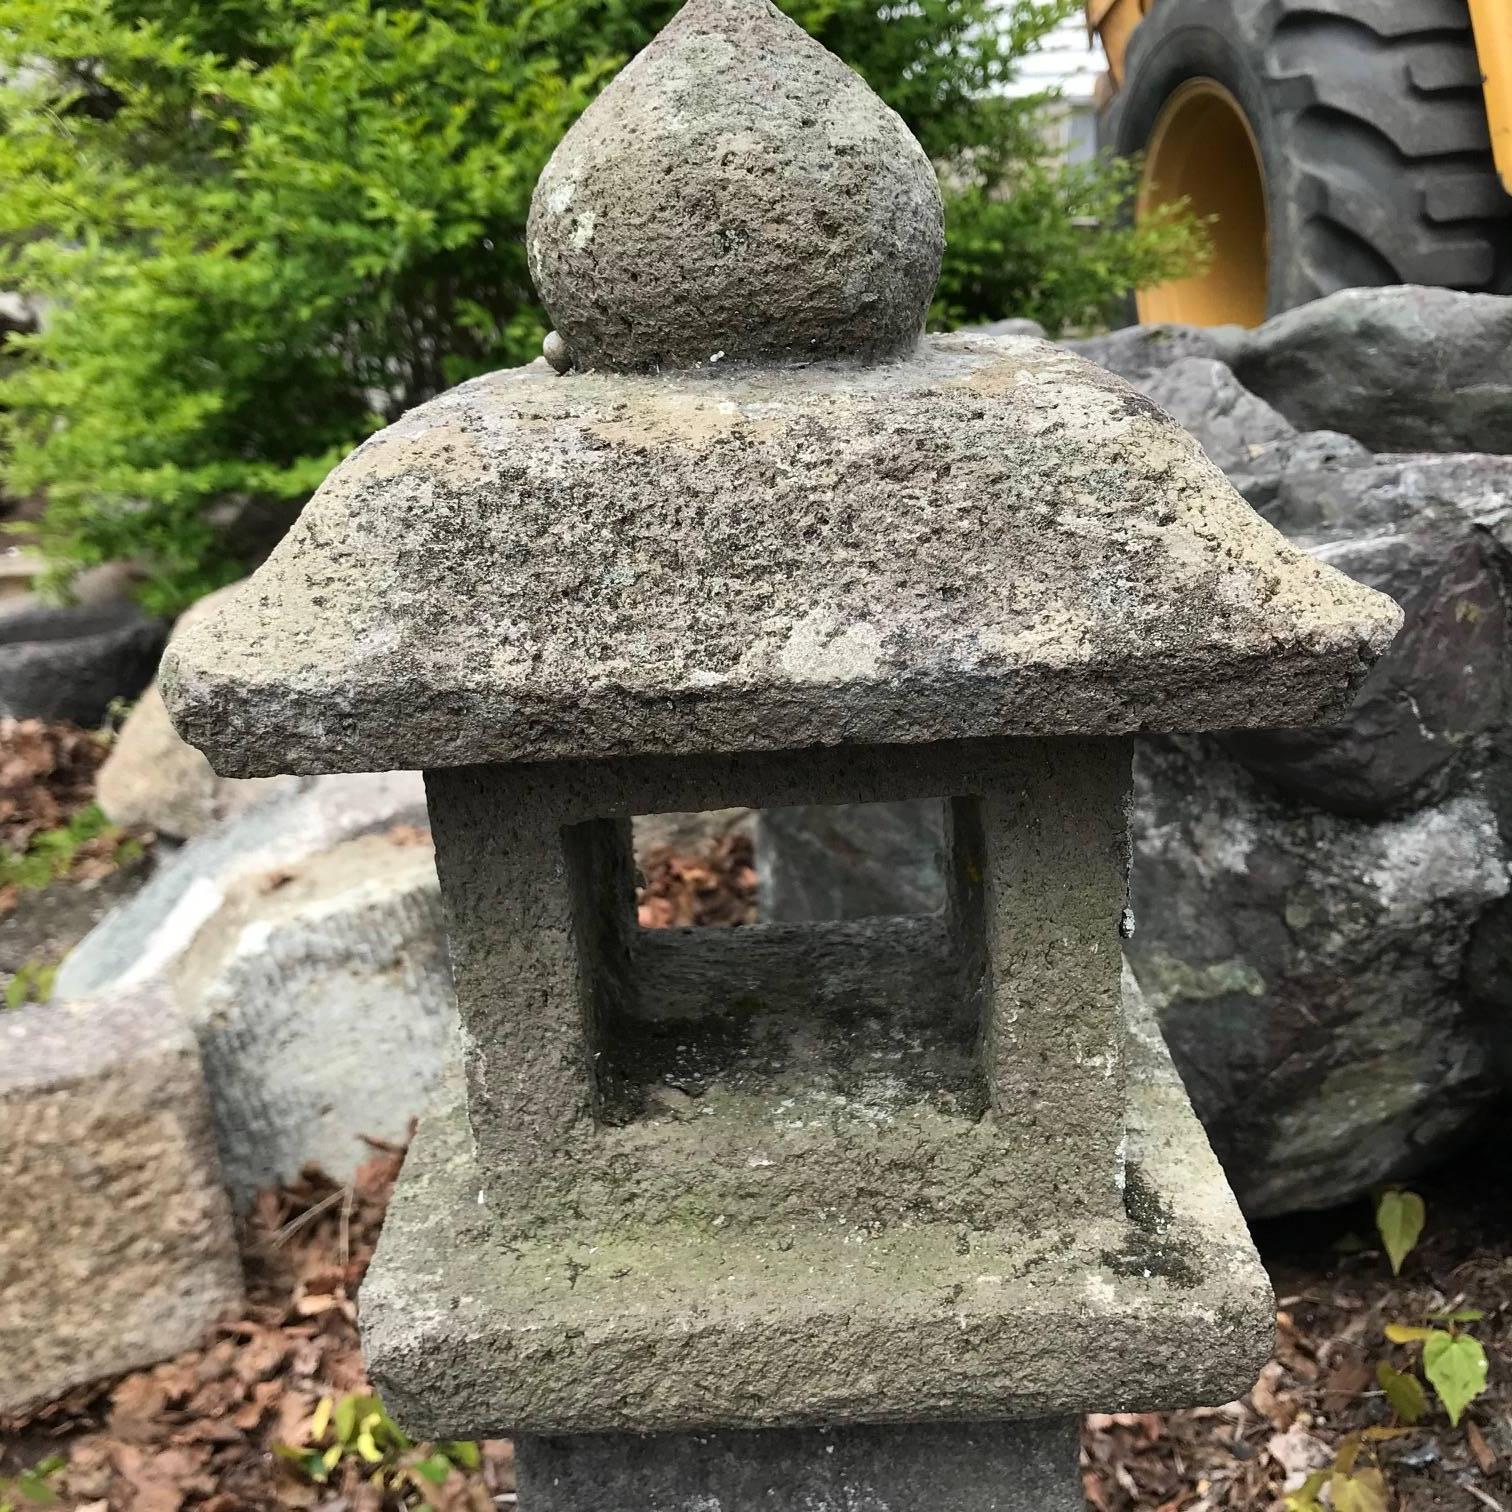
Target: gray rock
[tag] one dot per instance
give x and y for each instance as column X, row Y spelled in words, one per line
column 302, row 943
column 851, row 860
column 73, row 663
column 1137, row 353
column 323, row 1006
column 1157, row 598
column 139, row 941
column 667, row 227
column 117, row 1248
column 1013, row 326
column 1306, row 969
column 1399, row 368
column 965, row 1467
column 1431, row 707
column 1236, row 429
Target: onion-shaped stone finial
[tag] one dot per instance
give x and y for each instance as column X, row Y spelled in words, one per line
column 737, row 193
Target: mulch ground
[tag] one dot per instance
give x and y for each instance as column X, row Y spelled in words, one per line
column 274, row 1411
column 75, row 866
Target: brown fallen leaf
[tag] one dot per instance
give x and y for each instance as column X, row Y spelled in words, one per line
column 1484, row 1457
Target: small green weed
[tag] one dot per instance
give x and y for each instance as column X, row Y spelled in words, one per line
column 32, row 983
column 32, row 1488
column 355, row 1439
column 52, row 853
column 1399, row 1219
column 1349, row 1488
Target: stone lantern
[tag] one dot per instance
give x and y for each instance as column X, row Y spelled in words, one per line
column 855, row 1215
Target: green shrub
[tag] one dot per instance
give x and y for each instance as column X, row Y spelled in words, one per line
column 267, row 227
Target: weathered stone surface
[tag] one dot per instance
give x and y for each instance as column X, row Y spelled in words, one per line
column 852, row 1057
column 1399, row 369
column 302, row 943
column 1306, row 969
column 72, row 663
column 675, row 1326
column 117, row 1247
column 153, row 778
column 851, row 860
column 737, row 192
column 956, row 1467
column 1059, row 558
column 1137, row 352
column 153, row 930
column 322, row 1003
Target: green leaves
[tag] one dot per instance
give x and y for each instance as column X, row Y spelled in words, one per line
column 355, row 1434
column 1399, row 1218
column 1405, row 1393
column 264, row 228
column 1456, row 1365
column 1348, row 1489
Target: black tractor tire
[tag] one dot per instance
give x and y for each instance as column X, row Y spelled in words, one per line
column 1370, row 122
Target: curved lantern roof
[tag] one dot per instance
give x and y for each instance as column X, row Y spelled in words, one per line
column 766, row 516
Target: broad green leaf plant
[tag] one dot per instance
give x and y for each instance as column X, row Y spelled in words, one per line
column 263, row 229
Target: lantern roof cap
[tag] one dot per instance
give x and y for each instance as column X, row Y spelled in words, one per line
column 993, row 538
column 737, row 193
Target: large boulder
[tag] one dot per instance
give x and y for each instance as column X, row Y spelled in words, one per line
column 117, row 1247
column 322, row 1002
column 302, row 942
column 1306, row 969
column 1399, row 368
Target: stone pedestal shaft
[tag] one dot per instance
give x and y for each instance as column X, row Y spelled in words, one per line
column 942, row 1467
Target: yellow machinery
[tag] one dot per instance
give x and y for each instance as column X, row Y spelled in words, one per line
column 1332, row 142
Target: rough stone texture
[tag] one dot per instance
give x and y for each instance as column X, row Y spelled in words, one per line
column 72, row 663
column 415, row 615
column 1315, row 1089
column 851, row 860
column 302, row 942
column 947, row 1467
column 1306, row 971
column 117, row 1246
column 1137, row 352
column 846, row 1052
column 736, row 193
column 1398, row 368
column 153, row 778
column 323, row 1007
column 831, row 1318
column 153, row 929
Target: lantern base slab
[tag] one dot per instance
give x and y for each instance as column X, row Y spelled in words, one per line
column 472, row 1331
